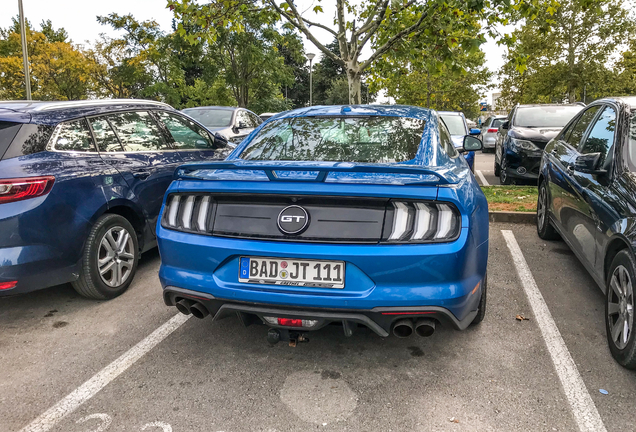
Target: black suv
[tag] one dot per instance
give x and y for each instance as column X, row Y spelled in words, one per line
column 523, row 136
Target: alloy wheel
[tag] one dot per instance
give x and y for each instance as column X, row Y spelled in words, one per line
column 115, row 257
column 620, row 308
column 542, row 205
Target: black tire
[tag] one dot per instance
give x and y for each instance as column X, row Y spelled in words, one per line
column 545, row 230
column 623, row 352
column 504, row 178
column 481, row 311
column 497, row 168
column 90, row 283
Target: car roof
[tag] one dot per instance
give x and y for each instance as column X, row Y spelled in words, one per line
column 457, row 113
column 627, row 100
column 53, row 112
column 358, row 110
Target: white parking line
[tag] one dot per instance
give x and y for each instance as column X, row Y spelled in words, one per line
column 583, row 408
column 100, row 380
column 484, row 182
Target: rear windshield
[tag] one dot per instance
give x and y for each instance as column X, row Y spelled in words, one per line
column 338, row 139
column 545, row 116
column 23, row 139
column 211, row 118
column 454, row 123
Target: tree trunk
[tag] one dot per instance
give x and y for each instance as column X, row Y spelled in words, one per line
column 355, row 92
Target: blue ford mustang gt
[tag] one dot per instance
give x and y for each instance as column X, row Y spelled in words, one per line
column 359, row 215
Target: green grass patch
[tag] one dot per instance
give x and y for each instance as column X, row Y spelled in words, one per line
column 511, row 198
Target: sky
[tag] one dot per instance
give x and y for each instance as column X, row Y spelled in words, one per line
column 78, row 17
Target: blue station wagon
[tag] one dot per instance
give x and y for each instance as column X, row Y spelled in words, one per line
column 81, row 187
column 359, row 215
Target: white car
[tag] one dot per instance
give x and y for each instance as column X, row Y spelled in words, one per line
column 488, row 135
column 234, row 124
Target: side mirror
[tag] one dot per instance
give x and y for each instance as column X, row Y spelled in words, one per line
column 505, row 125
column 471, row 143
column 589, row 164
column 474, row 131
column 220, row 141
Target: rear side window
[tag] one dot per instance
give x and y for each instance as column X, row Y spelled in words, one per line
column 446, row 141
column 8, row 130
column 106, row 139
column 74, row 136
column 185, row 133
column 138, row 131
column 497, row 122
column 29, row 139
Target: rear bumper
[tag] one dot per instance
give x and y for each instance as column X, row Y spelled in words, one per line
column 442, row 275
column 379, row 320
column 489, row 141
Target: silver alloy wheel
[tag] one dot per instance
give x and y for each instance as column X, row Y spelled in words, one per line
column 542, row 206
column 503, row 175
column 620, row 307
column 115, row 257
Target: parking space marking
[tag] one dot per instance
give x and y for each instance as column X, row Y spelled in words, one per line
column 100, row 380
column 484, row 182
column 585, row 413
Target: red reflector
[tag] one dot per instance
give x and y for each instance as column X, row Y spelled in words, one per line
column 290, row 322
column 406, row 313
column 18, row 189
column 8, row 285
column 492, row 130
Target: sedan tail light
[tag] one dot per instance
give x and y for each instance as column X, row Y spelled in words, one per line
column 423, row 222
column 187, row 212
column 495, row 130
column 18, row 189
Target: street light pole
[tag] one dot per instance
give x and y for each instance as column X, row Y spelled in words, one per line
column 311, row 56
column 25, row 52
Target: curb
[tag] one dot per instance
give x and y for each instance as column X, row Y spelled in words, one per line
column 512, row 217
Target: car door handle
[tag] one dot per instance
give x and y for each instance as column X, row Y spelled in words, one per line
column 141, row 175
column 570, row 169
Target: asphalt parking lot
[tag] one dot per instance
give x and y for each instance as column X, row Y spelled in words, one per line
column 57, row 352
column 485, row 169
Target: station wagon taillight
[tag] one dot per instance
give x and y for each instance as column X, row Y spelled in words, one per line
column 492, row 130
column 19, row 189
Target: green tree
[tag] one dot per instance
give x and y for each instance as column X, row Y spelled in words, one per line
column 384, row 24
column 59, row 69
column 567, row 53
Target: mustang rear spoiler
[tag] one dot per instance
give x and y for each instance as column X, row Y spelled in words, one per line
column 323, row 168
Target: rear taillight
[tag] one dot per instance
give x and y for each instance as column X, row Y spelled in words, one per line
column 8, row 285
column 18, row 189
column 492, row 130
column 423, row 222
column 187, row 212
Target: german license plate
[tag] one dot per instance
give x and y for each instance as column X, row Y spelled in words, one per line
column 292, row 272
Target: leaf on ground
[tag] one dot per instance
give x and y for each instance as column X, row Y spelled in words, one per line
column 521, row 318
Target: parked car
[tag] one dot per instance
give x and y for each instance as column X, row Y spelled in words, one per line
column 267, row 115
column 81, row 186
column 489, row 129
column 523, row 136
column 587, row 194
column 232, row 123
column 456, row 124
column 316, row 219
